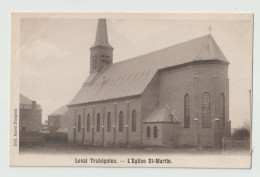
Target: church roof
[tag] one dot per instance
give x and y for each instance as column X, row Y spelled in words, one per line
column 132, row 76
column 61, row 111
column 160, row 114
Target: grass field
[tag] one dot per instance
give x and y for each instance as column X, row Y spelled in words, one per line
column 65, row 148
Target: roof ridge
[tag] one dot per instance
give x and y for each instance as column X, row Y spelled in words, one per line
column 154, row 51
column 61, row 108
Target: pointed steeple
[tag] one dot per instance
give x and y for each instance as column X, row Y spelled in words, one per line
column 101, row 53
column 101, row 36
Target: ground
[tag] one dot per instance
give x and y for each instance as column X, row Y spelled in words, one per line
column 57, row 143
column 65, row 148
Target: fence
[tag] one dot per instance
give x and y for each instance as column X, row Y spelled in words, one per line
column 235, row 144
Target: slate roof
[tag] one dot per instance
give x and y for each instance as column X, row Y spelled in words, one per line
column 131, row 77
column 101, row 36
column 26, row 103
column 161, row 114
column 61, row 111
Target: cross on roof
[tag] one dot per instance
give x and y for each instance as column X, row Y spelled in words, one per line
column 210, row 29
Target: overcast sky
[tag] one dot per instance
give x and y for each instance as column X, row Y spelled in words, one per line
column 54, row 55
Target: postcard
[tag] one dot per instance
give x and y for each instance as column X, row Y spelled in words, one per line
column 131, row 89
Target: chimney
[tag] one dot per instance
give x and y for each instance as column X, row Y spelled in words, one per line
column 33, row 104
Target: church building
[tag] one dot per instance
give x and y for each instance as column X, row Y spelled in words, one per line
column 174, row 97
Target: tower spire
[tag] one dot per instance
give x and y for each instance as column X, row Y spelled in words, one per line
column 101, row 53
column 101, row 36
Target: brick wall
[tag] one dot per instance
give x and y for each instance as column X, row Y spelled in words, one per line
column 175, row 84
column 99, row 138
column 171, row 134
column 64, row 123
column 168, row 87
column 152, row 141
column 30, row 119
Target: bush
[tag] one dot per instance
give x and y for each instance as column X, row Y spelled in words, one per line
column 241, row 132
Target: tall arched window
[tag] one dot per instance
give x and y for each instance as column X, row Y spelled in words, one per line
column 222, row 109
column 206, row 110
column 108, row 122
column 79, row 123
column 133, row 120
column 155, row 133
column 186, row 111
column 148, row 132
column 121, row 121
column 98, row 122
column 88, row 123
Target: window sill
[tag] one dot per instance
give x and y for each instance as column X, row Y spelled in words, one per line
column 151, row 138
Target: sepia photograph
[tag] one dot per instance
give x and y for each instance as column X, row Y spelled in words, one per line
column 131, row 89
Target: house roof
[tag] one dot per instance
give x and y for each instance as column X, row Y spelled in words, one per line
column 61, row 111
column 161, row 114
column 26, row 103
column 131, row 77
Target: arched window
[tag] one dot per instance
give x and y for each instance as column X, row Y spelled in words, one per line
column 148, row 132
column 108, row 122
column 222, row 109
column 133, row 120
column 98, row 122
column 155, row 132
column 186, row 111
column 79, row 123
column 88, row 123
column 121, row 121
column 206, row 110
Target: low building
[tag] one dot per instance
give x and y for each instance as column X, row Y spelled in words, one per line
column 58, row 120
column 30, row 115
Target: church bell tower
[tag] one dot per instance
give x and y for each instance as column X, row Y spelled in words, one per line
column 101, row 53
